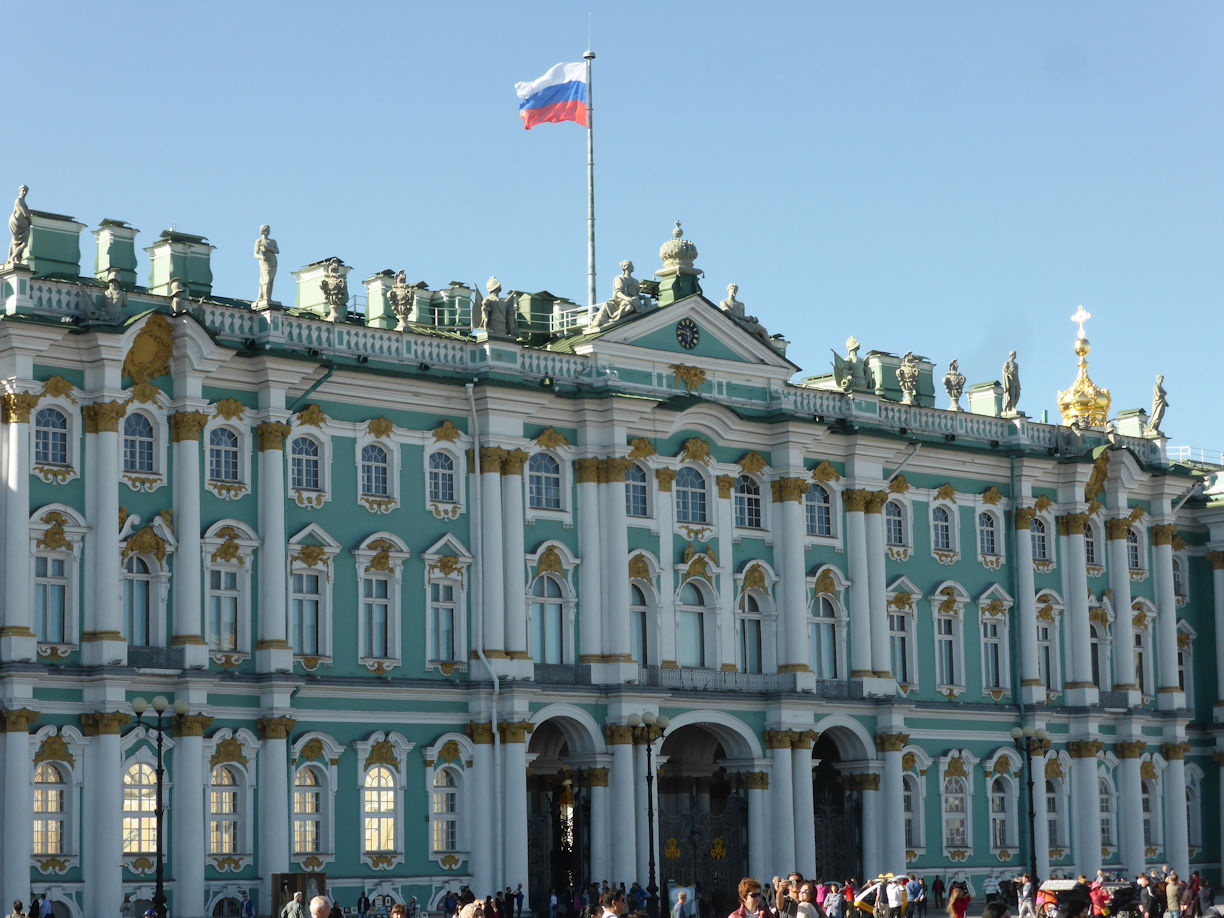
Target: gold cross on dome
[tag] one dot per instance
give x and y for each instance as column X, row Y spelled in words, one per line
column 1081, row 316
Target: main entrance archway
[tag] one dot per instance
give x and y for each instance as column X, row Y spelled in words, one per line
column 837, row 816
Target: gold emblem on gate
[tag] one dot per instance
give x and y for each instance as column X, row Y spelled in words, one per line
column 718, row 850
column 671, row 850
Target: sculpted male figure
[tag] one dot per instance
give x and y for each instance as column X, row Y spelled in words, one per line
column 734, row 307
column 1160, row 403
column 266, row 251
column 497, row 316
column 19, row 226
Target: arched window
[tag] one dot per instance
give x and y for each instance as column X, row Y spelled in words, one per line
column 139, row 810
column 901, row 646
column 1133, row 558
column 690, row 496
column 998, row 813
column 50, row 437
column 894, row 524
column 747, row 502
column 50, row 800
column 378, row 809
column 819, row 511
column 748, row 628
column 1106, row 804
column 909, row 805
column 1090, row 544
column 304, row 464
column 547, row 621
column 223, row 596
column 955, row 812
column 637, row 624
column 635, row 491
column 941, row 529
column 441, row 478
column 223, row 455
column 137, row 584
column 307, row 812
column 543, row 482
column 442, row 621
column 137, row 444
column 307, row 599
column 375, row 471
column 51, row 586
column 222, row 811
column 375, row 614
column 1041, row 546
column 445, row 811
column 690, row 626
column 824, row 639
column 988, row 536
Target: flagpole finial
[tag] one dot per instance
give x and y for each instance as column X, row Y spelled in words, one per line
column 589, row 55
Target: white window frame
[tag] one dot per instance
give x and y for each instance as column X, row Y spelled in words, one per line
column 1096, row 566
column 650, row 610
column 1000, row 640
column 327, row 774
column 1185, row 660
column 1181, row 579
column 1044, row 525
column 1194, row 808
column 1137, row 560
column 744, row 499
column 744, row 615
column 58, row 523
column 447, row 562
column 710, row 506
column 569, row 596
column 310, row 498
column 708, row 614
column 563, row 501
column 61, row 862
column 50, row 472
column 245, row 788
column 378, row 503
column 145, row 482
column 453, row 753
column 138, row 747
column 915, row 782
column 316, row 542
column 952, row 552
column 398, row 767
column 560, row 601
column 834, row 533
column 446, row 510
column 159, row 575
column 1060, row 838
column 381, row 556
column 563, row 456
column 229, row 546
column 647, row 490
column 1145, row 670
column 1010, row 827
column 817, row 591
column 1100, row 654
column 990, row 560
column 948, row 606
column 1153, row 818
column 946, row 816
column 1107, row 805
column 228, row 490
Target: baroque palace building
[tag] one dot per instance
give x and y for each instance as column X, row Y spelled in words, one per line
column 414, row 587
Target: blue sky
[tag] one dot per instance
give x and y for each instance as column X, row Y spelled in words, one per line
column 948, row 178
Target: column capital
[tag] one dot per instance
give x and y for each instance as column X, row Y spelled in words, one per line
column 1022, row 517
column 271, row 435
column 186, row 425
column 594, row 777
column 586, row 471
column 480, row 732
column 1174, row 751
column 1216, row 560
column 863, row 782
column 726, row 483
column 1117, row 528
column 104, row 723
column 15, row 407
column 103, row 417
column 1164, row 534
column 513, row 461
column 192, row 724
column 1085, row 749
column 276, row 727
column 491, row 459
column 1130, row 749
column 515, row 731
column 891, row 742
column 665, row 477
column 1038, row 748
column 803, row 739
column 17, row 721
column 755, row 780
column 778, row 739
column 792, row 489
column 619, row 734
column 1072, row 524
column 855, row 500
column 876, row 501
column 614, row 469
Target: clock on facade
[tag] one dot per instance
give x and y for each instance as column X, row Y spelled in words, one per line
column 687, row 333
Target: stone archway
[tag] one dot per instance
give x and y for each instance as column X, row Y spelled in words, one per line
column 837, row 817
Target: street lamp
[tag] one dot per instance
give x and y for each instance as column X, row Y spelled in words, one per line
column 1031, row 742
column 648, row 728
column 160, row 706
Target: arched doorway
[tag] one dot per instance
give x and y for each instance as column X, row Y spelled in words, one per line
column 703, row 818
column 837, row 808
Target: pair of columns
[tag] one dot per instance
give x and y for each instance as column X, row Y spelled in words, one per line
column 869, row 649
column 791, row 832
column 499, row 805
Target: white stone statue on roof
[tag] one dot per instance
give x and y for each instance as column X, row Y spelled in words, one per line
column 735, row 308
column 1011, row 385
column 626, row 300
column 851, row 372
column 497, row 316
column 19, row 226
column 266, row 251
column 1160, row 404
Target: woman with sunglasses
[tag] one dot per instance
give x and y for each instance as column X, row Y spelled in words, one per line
column 750, row 900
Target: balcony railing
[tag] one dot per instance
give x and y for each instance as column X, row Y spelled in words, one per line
column 713, row 680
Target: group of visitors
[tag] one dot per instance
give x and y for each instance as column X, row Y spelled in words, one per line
column 39, row 908
column 507, row 903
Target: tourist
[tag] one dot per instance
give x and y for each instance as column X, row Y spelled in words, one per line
column 807, row 901
column 750, row 900
column 833, row 901
column 938, row 889
column 958, row 901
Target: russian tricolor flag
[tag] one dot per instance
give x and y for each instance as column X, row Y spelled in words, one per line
column 559, row 95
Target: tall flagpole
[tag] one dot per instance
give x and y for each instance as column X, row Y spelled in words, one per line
column 588, row 57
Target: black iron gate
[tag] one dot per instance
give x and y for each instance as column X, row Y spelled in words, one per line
column 558, row 841
column 703, row 850
column 837, row 843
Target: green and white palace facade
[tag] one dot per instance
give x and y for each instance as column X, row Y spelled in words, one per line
column 415, row 587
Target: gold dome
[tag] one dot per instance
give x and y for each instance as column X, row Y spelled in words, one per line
column 1085, row 404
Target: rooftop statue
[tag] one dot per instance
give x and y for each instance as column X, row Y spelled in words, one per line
column 19, row 226
column 400, row 297
column 1160, row 404
column 626, row 300
column 954, row 383
column 114, row 300
column 735, row 308
column 907, row 376
column 335, row 290
column 1011, row 385
column 178, row 296
column 266, row 251
column 497, row 316
column 851, row 372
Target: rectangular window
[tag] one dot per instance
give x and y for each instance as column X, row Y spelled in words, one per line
column 375, row 612
column 824, row 649
column 50, row 598
column 48, row 820
column 223, row 825
column 907, row 804
column 635, row 495
column 998, row 819
column 306, row 820
column 223, row 610
column 992, row 655
column 306, row 598
column 749, row 645
column 637, row 634
column 945, row 655
column 898, row 641
column 690, row 639
column 442, row 621
column 1045, row 656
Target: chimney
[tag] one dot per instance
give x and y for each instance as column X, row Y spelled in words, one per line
column 116, row 250
column 180, row 255
column 55, row 245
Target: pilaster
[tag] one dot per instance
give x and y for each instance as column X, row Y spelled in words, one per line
column 782, row 792
column 514, row 569
column 1031, row 689
column 274, row 810
column 860, row 603
column 876, row 590
column 1130, row 818
column 1169, row 696
column 1081, row 690
column 493, row 585
column 796, row 648
column 1085, row 797
column 189, row 631
column 1125, row 678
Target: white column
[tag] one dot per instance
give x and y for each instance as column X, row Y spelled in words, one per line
column 877, row 599
column 805, row 821
column 480, row 797
column 782, row 792
column 725, row 652
column 274, row 824
column 623, row 776
column 272, row 651
column 1085, row 805
column 869, row 786
column 493, row 586
column 1169, row 696
column 892, row 843
column 617, row 640
column 1177, row 832
column 601, row 830
column 665, row 511
column 590, row 596
column 860, row 589
column 1216, row 559
column 187, row 817
column 1041, row 815
column 103, row 640
column 1031, row 689
column 514, row 815
column 18, row 843
column 1130, row 817
column 1080, row 687
column 189, row 630
column 793, row 615
column 1125, row 677
column 514, row 564
column 759, row 855
column 641, row 823
column 17, row 638
column 102, row 845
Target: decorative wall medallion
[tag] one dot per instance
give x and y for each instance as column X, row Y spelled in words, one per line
column 380, row 427
column 641, row 448
column 551, row 438
column 149, row 356
column 446, row 431
column 312, row 415
column 230, row 409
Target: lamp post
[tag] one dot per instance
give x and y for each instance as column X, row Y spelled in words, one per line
column 160, row 706
column 1031, row 742
column 647, row 728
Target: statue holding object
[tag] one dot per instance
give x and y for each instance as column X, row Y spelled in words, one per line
column 497, row 316
column 19, row 225
column 851, row 372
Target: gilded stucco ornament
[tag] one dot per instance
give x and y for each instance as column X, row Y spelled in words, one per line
column 312, row 415
column 19, row 226
column 641, row 448
column 954, row 385
column 734, row 308
column 639, row 568
column 907, row 378
column 58, row 387
column 229, row 409
column 334, row 286
column 626, row 300
column 692, row 378
column 825, row 472
column 497, row 316
column 551, row 438
column 695, row 449
column 550, row 561
column 380, row 427
column 446, row 432
column 851, row 372
column 1085, row 404
column 149, row 356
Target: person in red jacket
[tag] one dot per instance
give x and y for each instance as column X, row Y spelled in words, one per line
column 1100, row 899
column 958, row 902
